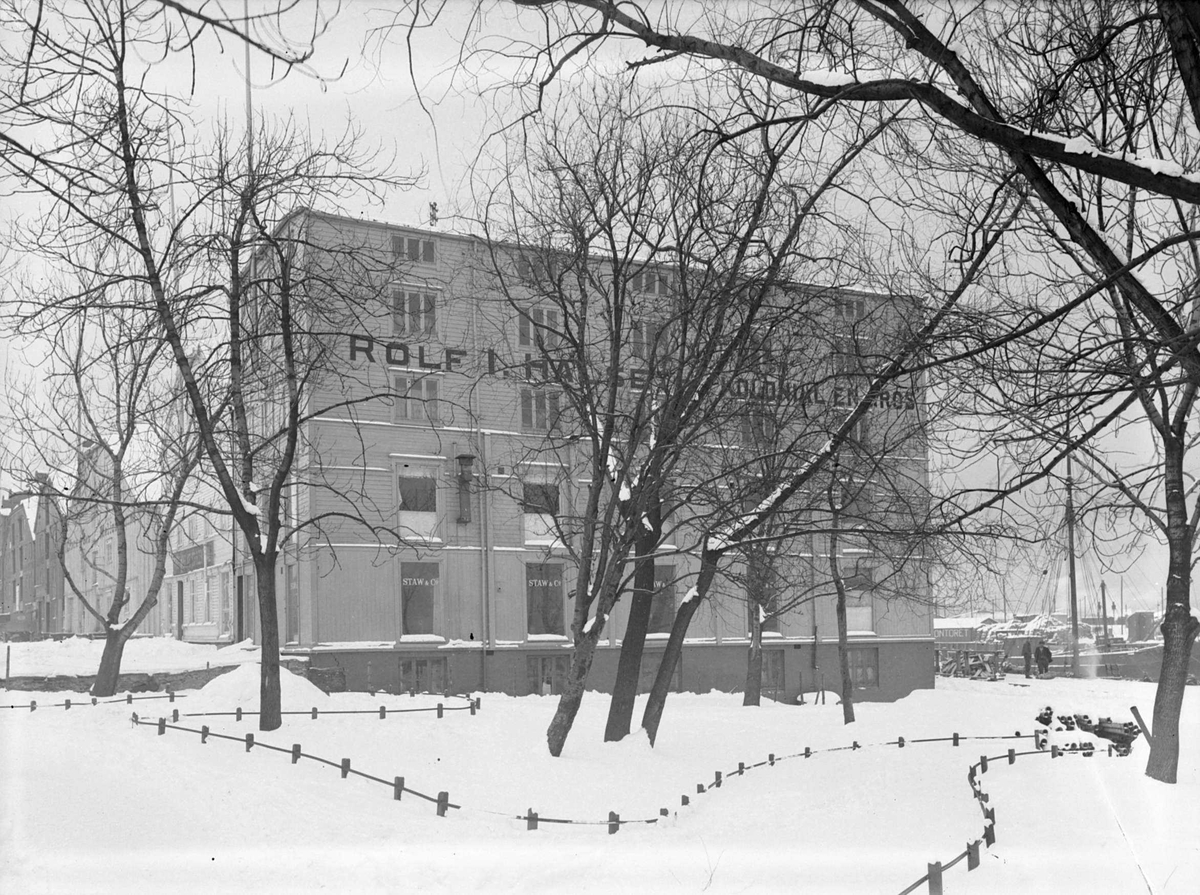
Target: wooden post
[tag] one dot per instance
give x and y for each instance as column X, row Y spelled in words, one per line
column 614, row 822
column 382, row 712
column 170, row 695
column 989, row 834
column 478, row 703
column 162, row 726
column 684, row 800
column 956, row 739
column 900, row 742
column 204, row 733
column 443, row 803
column 531, row 819
column 66, row 705
column 741, row 768
column 33, row 705
column 717, row 782
column 983, row 764
column 472, row 706
column 935, row 878
column 972, row 855
column 397, row 788
column 439, row 710
column 345, row 768
column 94, row 700
column 807, row 752
column 238, row 714
column 771, row 759
column 295, row 752
column 663, row 812
column 175, row 715
column 249, row 741
column 314, row 713
column 699, row 788
column 129, row 699
column 1012, row 756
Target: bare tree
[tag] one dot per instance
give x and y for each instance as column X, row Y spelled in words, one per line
column 102, row 440
column 1079, row 101
column 246, row 290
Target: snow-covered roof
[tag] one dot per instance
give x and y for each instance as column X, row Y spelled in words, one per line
column 963, row 622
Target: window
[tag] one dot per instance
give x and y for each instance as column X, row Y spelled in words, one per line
column 849, row 309
column 539, row 497
column 544, row 596
column 414, row 250
column 547, row 675
column 539, row 326
column 191, row 587
column 652, row 282
column 643, row 338
column 414, row 313
column 416, row 399
column 864, row 666
column 662, row 607
column 539, row 409
column 418, row 589
column 423, row 675
column 418, row 493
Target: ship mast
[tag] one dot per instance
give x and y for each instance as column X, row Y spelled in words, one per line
column 1071, row 570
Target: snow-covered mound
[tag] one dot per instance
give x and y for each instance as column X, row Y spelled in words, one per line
column 240, row 688
column 81, row 655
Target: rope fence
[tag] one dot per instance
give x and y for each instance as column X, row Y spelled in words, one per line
column 471, row 705
column 533, row 819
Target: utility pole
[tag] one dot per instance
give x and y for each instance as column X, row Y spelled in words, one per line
column 1071, row 570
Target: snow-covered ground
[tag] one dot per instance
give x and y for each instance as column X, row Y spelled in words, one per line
column 91, row 803
column 80, row 655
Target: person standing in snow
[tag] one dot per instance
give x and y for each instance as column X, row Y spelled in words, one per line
column 1027, row 654
column 1043, row 657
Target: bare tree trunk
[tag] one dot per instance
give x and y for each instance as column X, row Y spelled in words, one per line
column 754, row 662
column 652, row 715
column 843, row 654
column 633, row 642
column 572, row 697
column 1179, row 627
column 269, row 701
column 110, row 660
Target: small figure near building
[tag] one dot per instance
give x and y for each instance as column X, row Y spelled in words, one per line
column 1042, row 656
column 1027, row 653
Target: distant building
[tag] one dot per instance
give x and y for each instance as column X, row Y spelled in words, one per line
column 31, row 578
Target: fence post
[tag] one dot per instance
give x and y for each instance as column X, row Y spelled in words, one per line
column 717, row 782
column 295, row 752
column 614, row 822
column 956, row 739
column 314, row 713
column 741, row 768
column 439, row 710
column 398, row 788
column 249, row 741
column 472, row 706
column 900, row 742
column 684, row 800
column 771, row 759
column 972, row 855
column 66, row 705
column 162, row 726
column 935, row 878
column 129, row 699
column 238, row 714
column 989, row 834
column 94, row 700
column 531, row 820
column 983, row 764
column 1012, row 756
column 807, row 752
column 175, row 715
column 33, row 705
column 699, row 788
column 204, row 733
column 382, row 712
column 345, row 768
column 171, row 695
column 443, row 803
